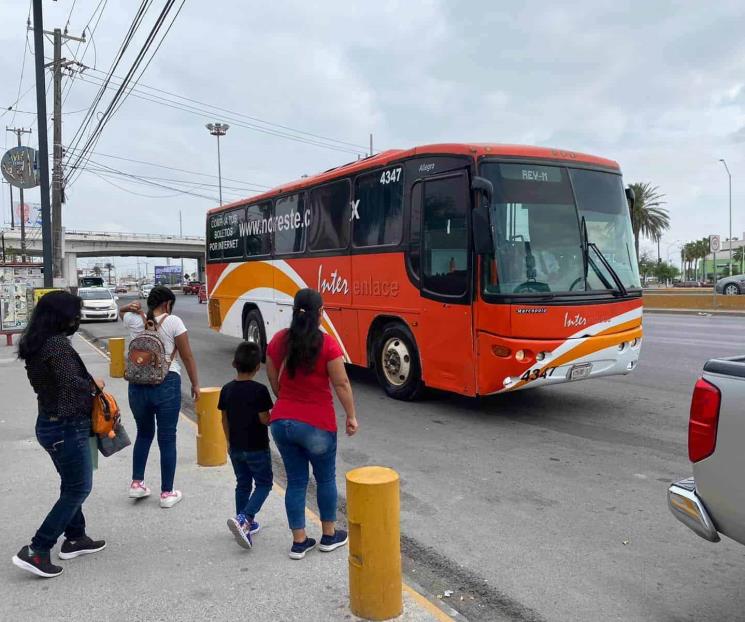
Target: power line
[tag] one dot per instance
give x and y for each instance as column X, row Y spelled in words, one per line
column 87, row 120
column 121, row 94
column 180, row 170
column 240, row 191
column 202, row 112
column 214, row 107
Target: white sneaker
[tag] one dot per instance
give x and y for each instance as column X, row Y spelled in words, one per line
column 138, row 490
column 169, row 499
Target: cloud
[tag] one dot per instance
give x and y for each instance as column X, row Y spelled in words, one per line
column 659, row 88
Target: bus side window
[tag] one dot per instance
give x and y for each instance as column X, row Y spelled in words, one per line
column 330, row 210
column 258, row 239
column 377, row 215
column 290, row 224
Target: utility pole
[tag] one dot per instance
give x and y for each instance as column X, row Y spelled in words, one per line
column 41, row 121
column 12, row 216
column 371, row 145
column 181, row 235
column 18, row 131
column 57, row 65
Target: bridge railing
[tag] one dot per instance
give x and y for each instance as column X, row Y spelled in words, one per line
column 116, row 235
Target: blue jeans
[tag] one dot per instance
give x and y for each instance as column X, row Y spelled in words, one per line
column 66, row 442
column 252, row 468
column 300, row 444
column 161, row 403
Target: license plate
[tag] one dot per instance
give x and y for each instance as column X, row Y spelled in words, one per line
column 578, row 372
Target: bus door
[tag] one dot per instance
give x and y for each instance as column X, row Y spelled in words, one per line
column 440, row 237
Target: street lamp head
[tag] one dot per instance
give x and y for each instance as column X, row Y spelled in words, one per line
column 217, row 129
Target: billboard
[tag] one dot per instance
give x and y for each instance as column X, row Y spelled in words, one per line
column 167, row 275
column 20, row 168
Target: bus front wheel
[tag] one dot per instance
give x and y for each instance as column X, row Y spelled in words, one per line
column 397, row 363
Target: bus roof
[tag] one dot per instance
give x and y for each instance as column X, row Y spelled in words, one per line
column 477, row 150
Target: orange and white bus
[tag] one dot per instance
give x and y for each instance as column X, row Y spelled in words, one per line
column 470, row 268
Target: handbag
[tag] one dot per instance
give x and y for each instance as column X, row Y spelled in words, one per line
column 104, row 413
column 109, row 445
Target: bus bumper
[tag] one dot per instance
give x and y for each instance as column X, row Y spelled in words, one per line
column 511, row 364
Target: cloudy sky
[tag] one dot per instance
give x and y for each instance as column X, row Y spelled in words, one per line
column 660, row 88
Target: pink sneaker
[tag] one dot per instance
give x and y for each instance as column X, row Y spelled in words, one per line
column 169, row 499
column 138, row 490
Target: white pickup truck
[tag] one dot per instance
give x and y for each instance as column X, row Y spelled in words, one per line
column 712, row 502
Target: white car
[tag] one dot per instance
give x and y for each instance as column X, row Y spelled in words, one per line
column 145, row 290
column 98, row 304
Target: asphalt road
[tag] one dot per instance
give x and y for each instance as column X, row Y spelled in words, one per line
column 547, row 504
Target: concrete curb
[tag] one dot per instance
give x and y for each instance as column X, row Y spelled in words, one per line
column 706, row 312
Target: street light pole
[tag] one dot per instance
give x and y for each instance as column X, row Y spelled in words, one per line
column 726, row 168
column 218, row 129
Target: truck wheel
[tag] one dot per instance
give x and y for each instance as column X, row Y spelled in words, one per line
column 397, row 363
column 253, row 330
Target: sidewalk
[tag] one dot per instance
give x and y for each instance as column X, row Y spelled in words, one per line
column 177, row 564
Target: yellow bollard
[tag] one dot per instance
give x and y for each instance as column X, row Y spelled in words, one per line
column 212, row 448
column 116, row 352
column 373, row 508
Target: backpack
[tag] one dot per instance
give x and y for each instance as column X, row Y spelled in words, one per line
column 147, row 362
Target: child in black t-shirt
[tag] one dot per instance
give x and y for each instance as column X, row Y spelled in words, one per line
column 245, row 406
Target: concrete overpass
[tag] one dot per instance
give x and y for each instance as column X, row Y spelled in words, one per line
column 108, row 244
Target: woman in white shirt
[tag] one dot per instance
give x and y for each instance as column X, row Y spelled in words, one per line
column 160, row 404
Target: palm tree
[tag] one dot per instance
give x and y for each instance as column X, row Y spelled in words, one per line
column 96, row 270
column 109, row 267
column 648, row 218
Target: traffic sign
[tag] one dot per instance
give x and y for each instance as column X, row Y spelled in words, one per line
column 715, row 243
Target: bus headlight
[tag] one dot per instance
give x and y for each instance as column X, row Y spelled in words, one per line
column 520, row 355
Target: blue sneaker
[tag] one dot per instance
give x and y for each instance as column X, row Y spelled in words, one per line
column 331, row 543
column 255, row 527
column 242, row 536
column 299, row 549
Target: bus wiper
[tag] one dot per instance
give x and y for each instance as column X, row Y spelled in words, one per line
column 588, row 262
column 616, row 279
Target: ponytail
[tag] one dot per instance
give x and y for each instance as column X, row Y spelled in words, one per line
column 304, row 339
column 159, row 295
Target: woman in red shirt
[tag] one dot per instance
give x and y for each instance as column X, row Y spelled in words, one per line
column 300, row 363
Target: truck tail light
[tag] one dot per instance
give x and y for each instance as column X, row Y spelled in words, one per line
column 702, row 425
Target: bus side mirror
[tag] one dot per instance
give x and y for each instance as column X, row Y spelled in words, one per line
column 480, row 221
column 631, row 198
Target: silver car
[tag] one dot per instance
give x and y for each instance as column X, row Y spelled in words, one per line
column 731, row 285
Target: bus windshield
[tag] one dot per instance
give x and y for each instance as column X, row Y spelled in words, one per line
column 536, row 216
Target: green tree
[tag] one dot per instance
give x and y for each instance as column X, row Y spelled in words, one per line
column 646, row 266
column 648, row 217
column 96, row 270
column 665, row 272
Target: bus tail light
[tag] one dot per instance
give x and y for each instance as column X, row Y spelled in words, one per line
column 501, row 351
column 702, row 425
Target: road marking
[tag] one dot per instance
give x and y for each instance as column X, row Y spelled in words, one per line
column 421, row 600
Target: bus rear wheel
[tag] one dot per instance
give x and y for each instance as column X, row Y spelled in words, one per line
column 253, row 330
column 397, row 363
